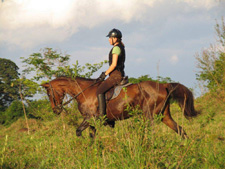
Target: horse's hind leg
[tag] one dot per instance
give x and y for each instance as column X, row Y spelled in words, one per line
column 110, row 123
column 168, row 120
column 92, row 131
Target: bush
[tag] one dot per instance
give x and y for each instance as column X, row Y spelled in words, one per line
column 211, row 64
column 12, row 113
column 40, row 109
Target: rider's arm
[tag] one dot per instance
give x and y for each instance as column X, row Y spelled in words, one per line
column 115, row 54
column 113, row 65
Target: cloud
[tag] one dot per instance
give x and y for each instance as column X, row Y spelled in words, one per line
column 174, row 59
column 208, row 4
column 28, row 23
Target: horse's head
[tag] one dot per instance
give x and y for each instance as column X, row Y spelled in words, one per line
column 55, row 97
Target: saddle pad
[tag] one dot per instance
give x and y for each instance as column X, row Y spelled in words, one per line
column 117, row 90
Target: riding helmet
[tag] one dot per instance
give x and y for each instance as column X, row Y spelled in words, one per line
column 115, row 33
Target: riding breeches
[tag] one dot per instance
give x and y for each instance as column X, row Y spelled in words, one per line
column 114, row 78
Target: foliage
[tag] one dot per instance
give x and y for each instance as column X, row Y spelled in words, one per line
column 8, row 75
column 28, row 88
column 147, row 78
column 11, row 84
column 40, row 109
column 45, row 64
column 12, row 89
column 12, row 113
column 72, row 114
column 50, row 64
column 133, row 143
column 3, row 151
column 212, row 63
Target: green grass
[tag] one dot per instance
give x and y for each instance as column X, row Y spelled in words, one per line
column 133, row 143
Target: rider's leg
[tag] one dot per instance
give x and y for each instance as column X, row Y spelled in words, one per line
column 113, row 80
column 101, row 104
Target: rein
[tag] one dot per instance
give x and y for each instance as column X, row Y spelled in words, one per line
column 74, row 97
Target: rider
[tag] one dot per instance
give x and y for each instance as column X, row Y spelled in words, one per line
column 115, row 70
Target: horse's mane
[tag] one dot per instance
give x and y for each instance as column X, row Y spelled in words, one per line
column 69, row 78
column 83, row 78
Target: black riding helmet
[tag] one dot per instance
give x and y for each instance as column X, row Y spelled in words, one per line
column 115, row 33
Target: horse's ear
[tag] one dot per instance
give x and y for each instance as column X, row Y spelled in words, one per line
column 45, row 85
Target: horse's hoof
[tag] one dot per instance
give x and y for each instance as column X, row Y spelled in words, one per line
column 78, row 133
column 92, row 135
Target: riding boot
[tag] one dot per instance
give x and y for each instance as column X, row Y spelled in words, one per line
column 101, row 104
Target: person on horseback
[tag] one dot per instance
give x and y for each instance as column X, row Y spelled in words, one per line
column 115, row 70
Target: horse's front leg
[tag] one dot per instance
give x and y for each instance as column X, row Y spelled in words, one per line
column 85, row 124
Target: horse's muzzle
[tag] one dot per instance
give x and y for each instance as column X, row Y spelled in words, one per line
column 57, row 110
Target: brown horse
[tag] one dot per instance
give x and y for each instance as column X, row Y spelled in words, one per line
column 151, row 97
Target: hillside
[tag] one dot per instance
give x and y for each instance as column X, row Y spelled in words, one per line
column 133, row 143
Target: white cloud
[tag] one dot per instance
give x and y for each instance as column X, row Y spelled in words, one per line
column 28, row 23
column 19, row 13
column 201, row 3
column 174, row 59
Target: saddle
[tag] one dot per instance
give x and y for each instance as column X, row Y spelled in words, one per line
column 115, row 91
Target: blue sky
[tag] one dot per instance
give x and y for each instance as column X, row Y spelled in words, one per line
column 161, row 37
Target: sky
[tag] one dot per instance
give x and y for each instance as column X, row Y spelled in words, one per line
column 161, row 37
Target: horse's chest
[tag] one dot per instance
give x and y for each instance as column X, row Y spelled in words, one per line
column 88, row 107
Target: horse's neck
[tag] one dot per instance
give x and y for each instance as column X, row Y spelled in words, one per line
column 72, row 86
column 80, row 82
column 83, row 83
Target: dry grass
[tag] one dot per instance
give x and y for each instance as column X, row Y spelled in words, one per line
column 133, row 143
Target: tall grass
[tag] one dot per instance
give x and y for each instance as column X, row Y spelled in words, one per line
column 133, row 143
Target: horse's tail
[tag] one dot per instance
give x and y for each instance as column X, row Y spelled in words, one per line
column 184, row 97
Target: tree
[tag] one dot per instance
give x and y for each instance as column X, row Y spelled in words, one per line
column 27, row 87
column 211, row 63
column 8, row 75
column 49, row 64
column 12, row 113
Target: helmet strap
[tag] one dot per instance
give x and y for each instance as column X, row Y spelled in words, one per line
column 113, row 43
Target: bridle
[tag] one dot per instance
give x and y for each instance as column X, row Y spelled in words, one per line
column 60, row 107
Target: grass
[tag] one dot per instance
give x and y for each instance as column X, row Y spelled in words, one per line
column 133, row 143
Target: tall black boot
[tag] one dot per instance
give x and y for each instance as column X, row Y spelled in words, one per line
column 101, row 104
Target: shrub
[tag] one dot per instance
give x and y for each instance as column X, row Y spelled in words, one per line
column 12, row 113
column 40, row 109
column 211, row 64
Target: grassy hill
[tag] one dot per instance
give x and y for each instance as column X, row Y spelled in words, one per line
column 133, row 143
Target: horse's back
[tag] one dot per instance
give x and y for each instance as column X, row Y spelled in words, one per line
column 154, row 88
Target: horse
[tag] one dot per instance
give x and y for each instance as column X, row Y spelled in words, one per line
column 153, row 98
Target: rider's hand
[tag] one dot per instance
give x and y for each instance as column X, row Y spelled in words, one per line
column 101, row 77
